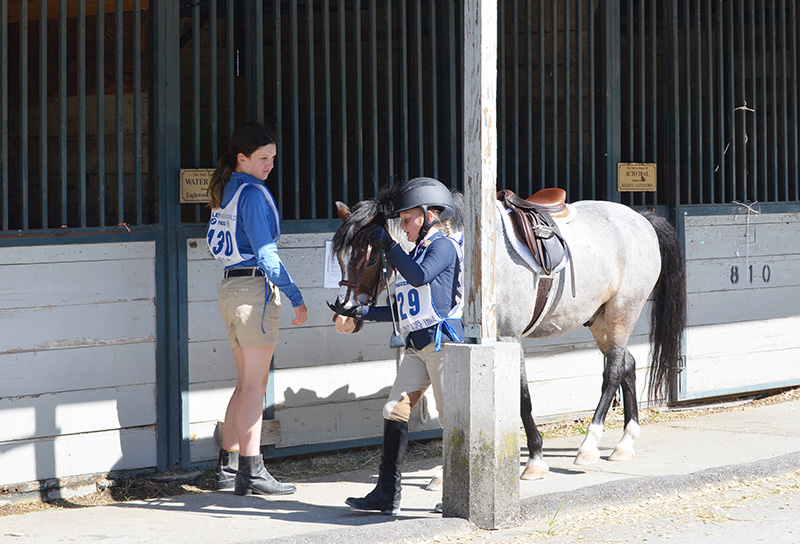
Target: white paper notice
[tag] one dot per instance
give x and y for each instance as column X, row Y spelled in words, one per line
column 333, row 272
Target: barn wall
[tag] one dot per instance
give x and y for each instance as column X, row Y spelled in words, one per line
column 77, row 360
column 743, row 274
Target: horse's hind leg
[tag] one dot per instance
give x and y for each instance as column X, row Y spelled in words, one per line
column 624, row 451
column 535, row 468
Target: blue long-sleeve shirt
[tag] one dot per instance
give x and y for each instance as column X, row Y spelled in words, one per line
column 439, row 268
column 254, row 234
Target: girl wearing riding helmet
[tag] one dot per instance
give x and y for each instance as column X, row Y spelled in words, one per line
column 428, row 308
column 242, row 234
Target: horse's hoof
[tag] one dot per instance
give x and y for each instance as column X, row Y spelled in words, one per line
column 621, row 455
column 585, row 458
column 535, row 472
column 435, row 484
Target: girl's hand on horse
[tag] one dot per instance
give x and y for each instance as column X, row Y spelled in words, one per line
column 378, row 237
column 300, row 314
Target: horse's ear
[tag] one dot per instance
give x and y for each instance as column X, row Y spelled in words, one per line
column 343, row 210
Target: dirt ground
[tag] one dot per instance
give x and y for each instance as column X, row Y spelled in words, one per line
column 122, row 487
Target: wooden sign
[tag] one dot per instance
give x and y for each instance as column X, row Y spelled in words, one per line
column 194, row 185
column 636, row 176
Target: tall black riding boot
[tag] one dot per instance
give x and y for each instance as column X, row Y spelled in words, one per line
column 253, row 478
column 226, row 469
column 385, row 498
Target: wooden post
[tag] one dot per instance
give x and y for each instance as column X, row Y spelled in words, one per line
column 481, row 377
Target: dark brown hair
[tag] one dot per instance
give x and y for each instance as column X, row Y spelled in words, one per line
column 246, row 139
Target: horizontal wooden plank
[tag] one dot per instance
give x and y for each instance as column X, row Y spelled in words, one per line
column 73, row 412
column 211, row 361
column 208, row 400
column 742, row 274
column 753, row 370
column 315, row 346
column 76, row 283
column 70, row 455
column 739, row 339
column 115, row 252
column 304, row 386
column 95, row 367
column 720, row 307
column 732, row 236
column 45, row 328
column 197, row 249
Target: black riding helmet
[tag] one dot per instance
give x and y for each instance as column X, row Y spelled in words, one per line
column 424, row 193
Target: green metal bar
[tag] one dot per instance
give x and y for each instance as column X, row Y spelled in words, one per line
column 232, row 60
column 712, row 137
column 359, row 99
column 343, row 96
column 373, row 47
column 610, row 101
column 62, row 109
column 699, row 100
column 120, row 111
column 390, row 133
column 4, row 111
column 137, row 107
column 295, row 106
column 514, row 92
column 592, row 109
column 579, row 118
column 567, row 108
column 419, row 75
column 326, row 33
column 82, row 108
column 784, row 101
column 258, row 65
column 312, row 139
column 540, row 39
column 742, row 114
column 452, row 124
column 212, row 65
column 763, row 140
column 752, row 132
column 731, row 104
column 404, row 150
column 434, row 92
column 43, row 151
column 774, row 101
column 688, row 126
column 196, row 89
column 529, row 93
column 795, row 157
column 722, row 133
column 23, row 111
column 554, row 106
column 654, row 87
column 101, row 113
column 501, row 90
column 277, row 88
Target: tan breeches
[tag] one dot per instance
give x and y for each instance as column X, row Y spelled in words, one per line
column 419, row 369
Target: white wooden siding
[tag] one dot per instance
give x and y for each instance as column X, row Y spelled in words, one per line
column 743, row 276
column 77, row 360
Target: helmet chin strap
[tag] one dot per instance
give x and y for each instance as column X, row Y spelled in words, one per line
column 426, row 226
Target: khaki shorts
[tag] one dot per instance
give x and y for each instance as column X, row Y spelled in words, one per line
column 241, row 303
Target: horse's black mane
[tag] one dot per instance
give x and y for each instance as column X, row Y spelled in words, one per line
column 376, row 211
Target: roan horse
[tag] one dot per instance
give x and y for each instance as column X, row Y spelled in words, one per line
column 619, row 257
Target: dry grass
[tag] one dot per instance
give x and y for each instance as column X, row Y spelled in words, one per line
column 126, row 488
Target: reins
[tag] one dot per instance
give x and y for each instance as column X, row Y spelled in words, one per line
column 356, row 285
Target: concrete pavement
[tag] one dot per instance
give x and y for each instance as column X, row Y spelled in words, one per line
column 671, row 457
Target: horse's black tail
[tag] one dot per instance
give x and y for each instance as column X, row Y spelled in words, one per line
column 668, row 315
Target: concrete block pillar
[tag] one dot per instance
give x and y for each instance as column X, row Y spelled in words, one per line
column 481, row 433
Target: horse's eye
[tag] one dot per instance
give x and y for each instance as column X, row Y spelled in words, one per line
column 373, row 261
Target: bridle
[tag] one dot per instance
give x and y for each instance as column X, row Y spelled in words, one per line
column 355, row 272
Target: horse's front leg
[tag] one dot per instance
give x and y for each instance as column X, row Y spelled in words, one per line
column 624, row 451
column 589, row 451
column 535, row 468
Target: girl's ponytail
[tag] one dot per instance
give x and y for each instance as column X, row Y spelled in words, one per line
column 218, row 180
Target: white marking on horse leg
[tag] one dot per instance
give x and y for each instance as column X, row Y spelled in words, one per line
column 535, row 469
column 589, row 453
column 624, row 451
column 436, row 480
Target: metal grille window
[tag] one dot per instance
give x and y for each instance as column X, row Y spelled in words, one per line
column 736, row 104
column 358, row 91
column 73, row 81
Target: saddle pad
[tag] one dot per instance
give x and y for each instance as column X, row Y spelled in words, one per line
column 523, row 250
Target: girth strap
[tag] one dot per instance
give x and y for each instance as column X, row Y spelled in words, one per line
column 545, row 283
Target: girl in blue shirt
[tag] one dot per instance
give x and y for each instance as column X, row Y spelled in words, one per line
column 428, row 292
column 242, row 234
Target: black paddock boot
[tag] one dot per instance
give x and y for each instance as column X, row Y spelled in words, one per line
column 385, row 498
column 253, row 478
column 226, row 469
